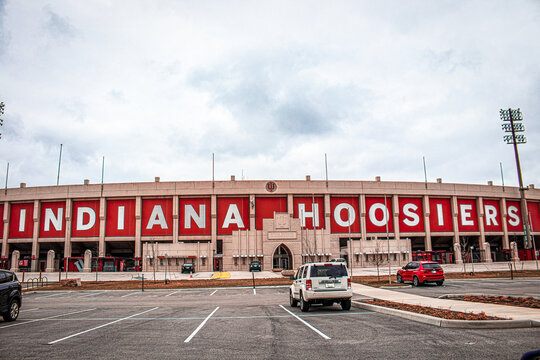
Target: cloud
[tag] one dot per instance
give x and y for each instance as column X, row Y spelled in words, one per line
column 58, row 26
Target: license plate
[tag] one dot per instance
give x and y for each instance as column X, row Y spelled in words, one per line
column 433, row 271
column 329, row 285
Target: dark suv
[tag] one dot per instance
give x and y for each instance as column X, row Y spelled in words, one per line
column 10, row 295
column 188, row 268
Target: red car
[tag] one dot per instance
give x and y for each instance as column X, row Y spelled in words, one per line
column 421, row 272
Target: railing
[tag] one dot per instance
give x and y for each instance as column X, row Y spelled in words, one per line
column 37, row 282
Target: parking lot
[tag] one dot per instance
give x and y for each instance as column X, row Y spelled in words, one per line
column 231, row 323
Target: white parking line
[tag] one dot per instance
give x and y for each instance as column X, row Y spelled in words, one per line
column 174, row 292
column 94, row 294
column 47, row 318
column 306, row 323
column 29, row 309
column 132, row 293
column 215, row 291
column 48, row 296
column 100, row 326
column 254, row 292
column 200, row 326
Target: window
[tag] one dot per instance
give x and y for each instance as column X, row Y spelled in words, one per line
column 243, row 261
column 328, row 270
column 2, row 277
column 219, row 247
column 432, row 266
column 304, row 272
column 235, row 261
column 203, row 260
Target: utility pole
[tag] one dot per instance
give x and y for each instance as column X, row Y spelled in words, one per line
column 514, row 117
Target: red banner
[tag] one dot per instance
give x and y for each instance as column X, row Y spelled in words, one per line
column 344, row 215
column 120, row 218
column 85, row 219
column 157, row 217
column 440, row 215
column 265, row 208
column 411, row 215
column 534, row 215
column 195, row 216
column 513, row 217
column 21, row 224
column 53, row 219
column 232, row 214
column 379, row 217
column 310, row 211
column 467, row 215
column 492, row 215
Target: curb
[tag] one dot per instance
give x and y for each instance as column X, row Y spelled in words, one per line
column 459, row 324
column 452, row 296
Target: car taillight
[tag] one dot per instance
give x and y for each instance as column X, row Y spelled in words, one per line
column 308, row 284
column 349, row 283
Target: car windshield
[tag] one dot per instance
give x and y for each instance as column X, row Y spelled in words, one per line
column 431, row 266
column 328, row 270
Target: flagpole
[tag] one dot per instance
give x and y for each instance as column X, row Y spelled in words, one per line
column 59, row 162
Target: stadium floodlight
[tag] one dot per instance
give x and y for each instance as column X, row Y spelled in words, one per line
column 513, row 116
column 2, row 107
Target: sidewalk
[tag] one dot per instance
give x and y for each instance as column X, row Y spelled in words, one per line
column 502, row 311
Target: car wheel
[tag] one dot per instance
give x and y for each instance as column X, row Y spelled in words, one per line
column 13, row 311
column 346, row 304
column 399, row 279
column 415, row 281
column 439, row 283
column 293, row 301
column 304, row 305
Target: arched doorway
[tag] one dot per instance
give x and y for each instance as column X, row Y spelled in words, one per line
column 282, row 258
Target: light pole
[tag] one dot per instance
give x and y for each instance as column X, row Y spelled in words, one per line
column 2, row 107
column 514, row 117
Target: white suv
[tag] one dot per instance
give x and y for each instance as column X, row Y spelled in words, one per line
column 321, row 283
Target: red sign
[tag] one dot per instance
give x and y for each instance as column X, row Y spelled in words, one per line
column 21, row 224
column 411, row 215
column 467, row 215
column 310, row 211
column 157, row 217
column 379, row 217
column 195, row 216
column 344, row 215
column 85, row 219
column 120, row 218
column 492, row 215
column 534, row 215
column 265, row 207
column 232, row 214
column 440, row 215
column 53, row 219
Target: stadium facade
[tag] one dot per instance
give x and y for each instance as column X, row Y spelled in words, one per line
column 224, row 225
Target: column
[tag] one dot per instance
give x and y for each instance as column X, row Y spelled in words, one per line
column 395, row 208
column 138, row 207
column 175, row 216
column 427, row 226
column 67, row 238
column 455, row 225
column 102, row 214
column 35, row 236
column 482, row 239
column 5, row 235
column 325, row 238
column 504, row 214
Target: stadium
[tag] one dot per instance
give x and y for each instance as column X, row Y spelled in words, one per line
column 225, row 225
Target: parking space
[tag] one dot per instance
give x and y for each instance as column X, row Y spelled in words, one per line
column 227, row 323
column 497, row 287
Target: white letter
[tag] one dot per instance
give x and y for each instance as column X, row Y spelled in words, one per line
column 373, row 218
column 80, row 216
column 157, row 218
column 464, row 210
column 22, row 220
column 233, row 217
column 491, row 215
column 408, row 211
column 314, row 214
column 512, row 214
column 351, row 215
column 190, row 213
column 440, row 216
column 121, row 212
column 56, row 221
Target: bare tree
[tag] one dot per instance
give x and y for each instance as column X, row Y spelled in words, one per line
column 378, row 257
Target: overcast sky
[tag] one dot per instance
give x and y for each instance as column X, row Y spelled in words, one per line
column 269, row 87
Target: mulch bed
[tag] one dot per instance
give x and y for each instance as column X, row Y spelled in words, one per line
column 528, row 302
column 440, row 313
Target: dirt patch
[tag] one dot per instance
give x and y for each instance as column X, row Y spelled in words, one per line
column 501, row 300
column 440, row 313
column 171, row 284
